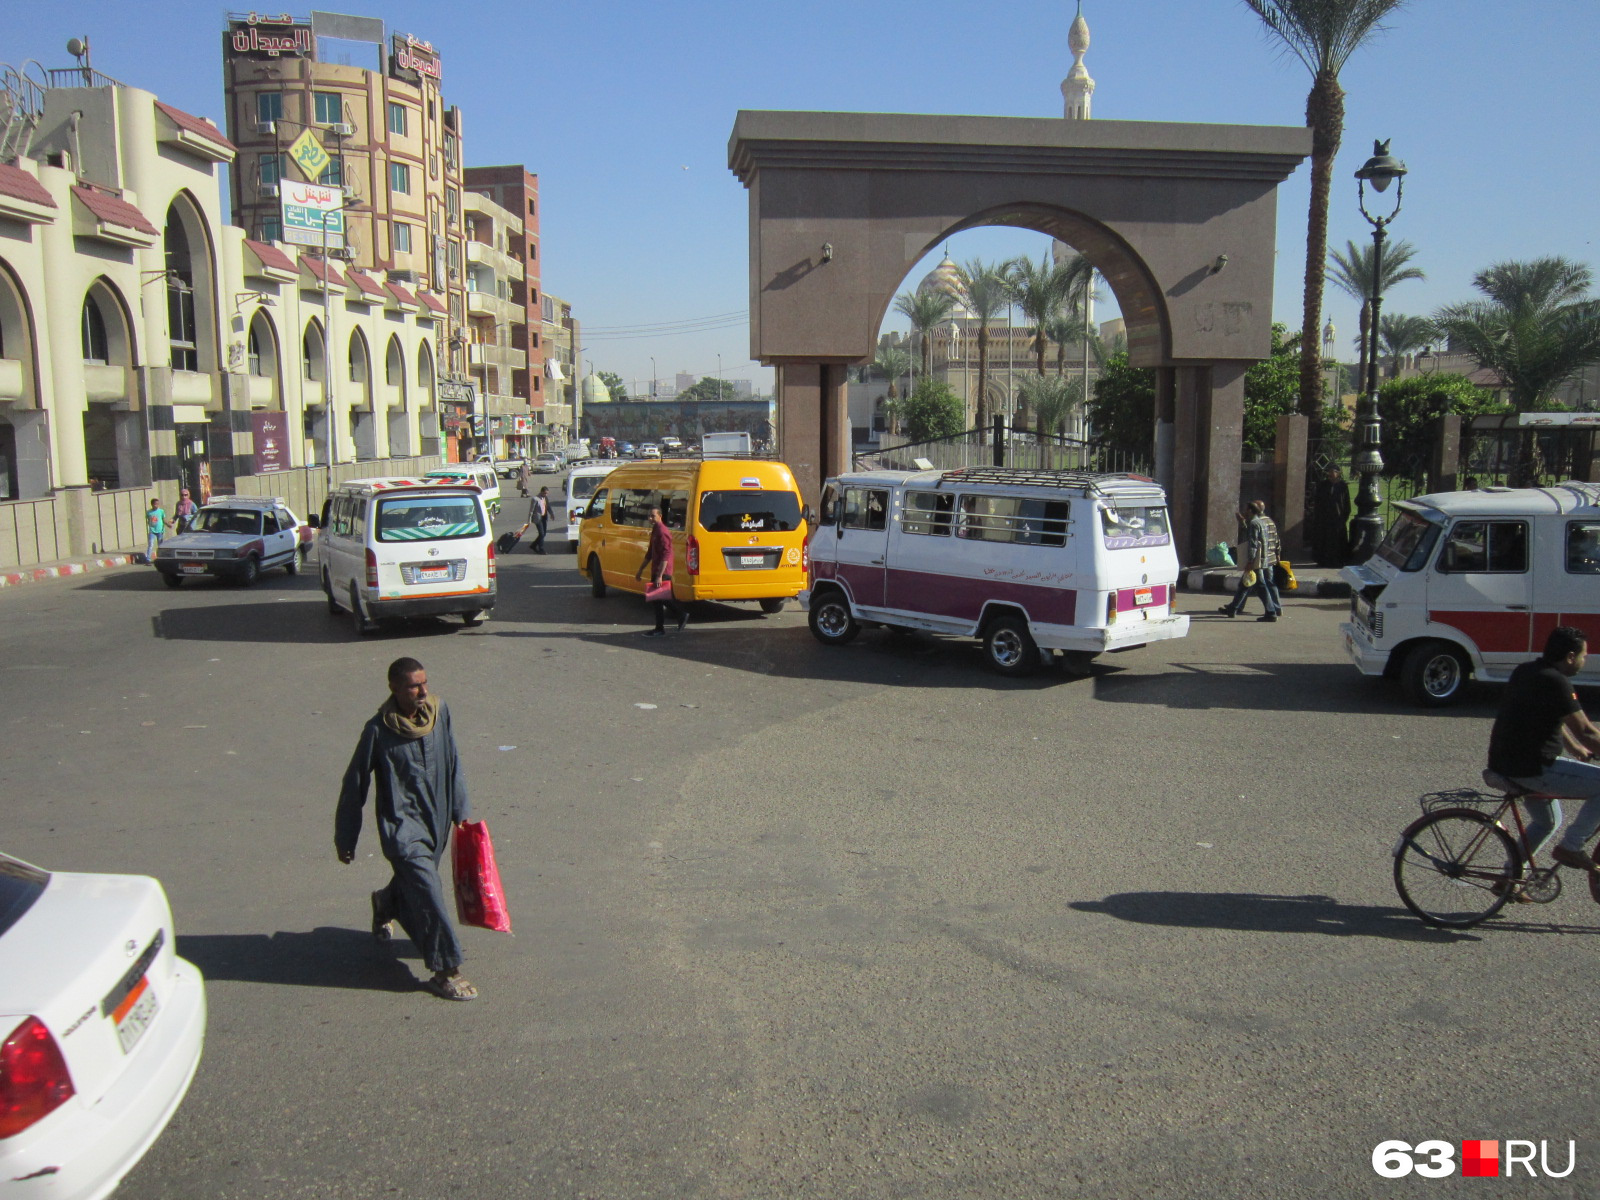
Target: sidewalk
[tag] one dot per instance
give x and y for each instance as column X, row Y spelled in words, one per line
column 1315, row 583
column 68, row 566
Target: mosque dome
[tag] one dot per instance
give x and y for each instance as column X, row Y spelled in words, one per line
column 595, row 390
column 946, row 278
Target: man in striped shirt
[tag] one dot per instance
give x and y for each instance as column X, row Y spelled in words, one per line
column 1261, row 556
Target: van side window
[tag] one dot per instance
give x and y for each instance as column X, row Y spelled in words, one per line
column 595, row 506
column 629, row 506
column 865, row 508
column 830, row 503
column 1014, row 519
column 675, row 509
column 339, row 516
column 358, row 517
column 928, row 513
column 1583, row 548
column 1479, row 547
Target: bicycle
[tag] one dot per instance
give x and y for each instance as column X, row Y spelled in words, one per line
column 1458, row 865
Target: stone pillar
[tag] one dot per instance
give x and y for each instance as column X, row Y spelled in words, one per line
column 1165, row 415
column 1207, row 442
column 1444, row 468
column 1289, row 482
column 813, row 423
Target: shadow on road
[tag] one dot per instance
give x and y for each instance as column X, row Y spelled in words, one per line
column 1255, row 913
column 325, row 957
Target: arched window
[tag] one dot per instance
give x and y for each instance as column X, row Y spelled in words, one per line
column 394, row 364
column 181, row 326
column 96, row 345
column 311, row 351
column 253, row 350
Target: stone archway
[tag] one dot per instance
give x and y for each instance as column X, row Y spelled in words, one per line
column 1180, row 219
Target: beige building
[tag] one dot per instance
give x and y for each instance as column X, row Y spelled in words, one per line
column 559, row 335
column 145, row 344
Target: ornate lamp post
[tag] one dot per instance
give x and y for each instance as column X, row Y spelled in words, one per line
column 1380, row 170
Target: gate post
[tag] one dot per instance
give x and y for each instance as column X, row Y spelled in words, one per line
column 1444, row 471
column 1289, row 480
column 999, row 440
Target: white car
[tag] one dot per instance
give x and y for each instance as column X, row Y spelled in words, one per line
column 548, row 464
column 101, row 1027
column 235, row 538
column 649, row 450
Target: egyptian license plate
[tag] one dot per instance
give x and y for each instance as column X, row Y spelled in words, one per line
column 1143, row 596
column 752, row 560
column 192, row 568
column 134, row 1015
column 433, row 574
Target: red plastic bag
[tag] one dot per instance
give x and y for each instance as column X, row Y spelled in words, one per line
column 659, row 591
column 480, row 900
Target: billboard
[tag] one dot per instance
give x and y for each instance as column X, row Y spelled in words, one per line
column 271, row 441
column 306, row 207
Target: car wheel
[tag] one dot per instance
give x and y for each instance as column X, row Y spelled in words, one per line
column 1009, row 648
column 1434, row 674
column 292, row 567
column 327, row 590
column 772, row 606
column 250, row 572
column 474, row 618
column 830, row 619
column 597, row 578
column 363, row 627
column 173, row 580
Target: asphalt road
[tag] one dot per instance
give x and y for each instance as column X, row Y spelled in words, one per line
column 796, row 921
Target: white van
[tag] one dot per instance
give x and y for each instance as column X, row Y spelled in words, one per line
column 479, row 475
column 406, row 548
column 1028, row 561
column 583, row 480
column 1472, row 583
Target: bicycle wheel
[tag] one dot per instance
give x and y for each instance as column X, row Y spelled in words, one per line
column 1455, row 867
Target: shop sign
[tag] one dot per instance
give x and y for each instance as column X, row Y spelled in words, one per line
column 261, row 36
column 521, row 425
column 271, row 441
column 309, row 155
column 413, row 59
column 308, row 209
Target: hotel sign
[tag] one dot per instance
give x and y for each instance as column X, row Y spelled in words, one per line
column 261, row 36
column 413, row 60
column 308, row 210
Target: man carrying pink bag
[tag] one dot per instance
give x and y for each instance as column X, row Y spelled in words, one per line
column 408, row 749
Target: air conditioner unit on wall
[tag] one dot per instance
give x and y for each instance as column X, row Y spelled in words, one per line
column 342, row 128
column 267, row 127
column 344, row 252
column 269, row 189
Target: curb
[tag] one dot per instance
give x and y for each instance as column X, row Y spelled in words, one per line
column 1226, row 579
column 57, row 571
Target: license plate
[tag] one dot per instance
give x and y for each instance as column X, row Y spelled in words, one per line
column 752, row 560
column 431, row 574
column 192, row 569
column 1143, row 596
column 134, row 1015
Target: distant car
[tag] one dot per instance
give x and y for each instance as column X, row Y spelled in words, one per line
column 102, row 1031
column 671, row 443
column 649, row 450
column 548, row 464
column 506, row 468
column 235, row 538
column 626, row 449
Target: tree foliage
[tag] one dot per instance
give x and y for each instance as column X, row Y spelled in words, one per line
column 708, row 388
column 1411, row 406
column 1123, row 410
column 1051, row 399
column 925, row 310
column 614, row 385
column 932, row 411
column 1271, row 389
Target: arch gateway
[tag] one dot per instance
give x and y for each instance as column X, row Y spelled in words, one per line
column 1180, row 219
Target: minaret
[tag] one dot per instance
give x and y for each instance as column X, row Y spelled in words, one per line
column 1077, row 89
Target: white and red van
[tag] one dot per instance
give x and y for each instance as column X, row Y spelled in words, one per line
column 1471, row 584
column 1029, row 562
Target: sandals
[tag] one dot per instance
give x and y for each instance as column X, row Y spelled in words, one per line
column 382, row 920
column 451, row 987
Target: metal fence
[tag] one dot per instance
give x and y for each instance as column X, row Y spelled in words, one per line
column 1018, row 448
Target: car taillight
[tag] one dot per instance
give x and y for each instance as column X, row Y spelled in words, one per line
column 372, row 570
column 34, row 1081
column 691, row 553
column 491, row 560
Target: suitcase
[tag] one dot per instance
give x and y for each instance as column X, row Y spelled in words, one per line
column 507, row 542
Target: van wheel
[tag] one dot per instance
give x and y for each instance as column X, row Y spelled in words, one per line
column 831, row 622
column 772, row 606
column 1009, row 648
column 597, row 578
column 363, row 626
column 474, row 618
column 1076, row 662
column 327, row 590
column 1434, row 675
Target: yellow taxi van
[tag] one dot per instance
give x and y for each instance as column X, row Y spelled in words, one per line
column 738, row 529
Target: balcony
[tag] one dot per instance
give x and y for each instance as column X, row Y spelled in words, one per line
column 494, row 354
column 498, row 261
column 487, row 304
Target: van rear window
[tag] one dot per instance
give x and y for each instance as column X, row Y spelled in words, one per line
column 1127, row 528
column 428, row 518
column 747, row 509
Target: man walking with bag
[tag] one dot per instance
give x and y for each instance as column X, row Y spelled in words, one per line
column 539, row 518
column 409, row 749
column 1261, row 556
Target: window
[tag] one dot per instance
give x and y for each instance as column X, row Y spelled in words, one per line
column 227, row 520
column 402, row 237
column 96, row 347
column 399, row 178
column 452, row 204
column 1485, row 547
column 675, row 509
column 630, row 506
column 865, row 508
column 269, row 169
column 181, row 325
column 272, row 229
column 253, row 351
column 1409, row 542
column 598, row 503
column 269, row 107
column 928, row 513
column 329, row 109
column 750, row 511
column 1583, row 548
column 1014, row 519
column 332, row 174
column 269, row 522
column 1126, row 528
column 428, row 518
column 397, row 119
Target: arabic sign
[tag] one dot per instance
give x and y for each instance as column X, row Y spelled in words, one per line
column 272, row 441
column 259, row 36
column 306, row 206
column 309, row 155
column 412, row 60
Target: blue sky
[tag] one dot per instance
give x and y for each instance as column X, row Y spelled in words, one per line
column 624, row 109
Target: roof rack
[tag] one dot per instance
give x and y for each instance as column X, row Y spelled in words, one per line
column 1088, row 481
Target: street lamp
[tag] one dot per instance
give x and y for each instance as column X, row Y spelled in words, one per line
column 1330, row 343
column 652, row 377
column 1380, row 170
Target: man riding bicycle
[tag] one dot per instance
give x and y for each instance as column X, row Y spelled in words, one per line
column 1540, row 717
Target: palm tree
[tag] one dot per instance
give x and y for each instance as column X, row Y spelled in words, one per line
column 984, row 291
column 1052, row 399
column 925, row 310
column 1537, row 327
column 1040, row 290
column 892, row 362
column 1400, row 335
column 1322, row 34
column 1352, row 274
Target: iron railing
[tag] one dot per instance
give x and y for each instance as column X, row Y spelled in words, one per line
column 1016, row 448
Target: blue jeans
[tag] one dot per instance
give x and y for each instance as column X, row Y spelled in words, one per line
column 1263, row 587
column 1575, row 780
